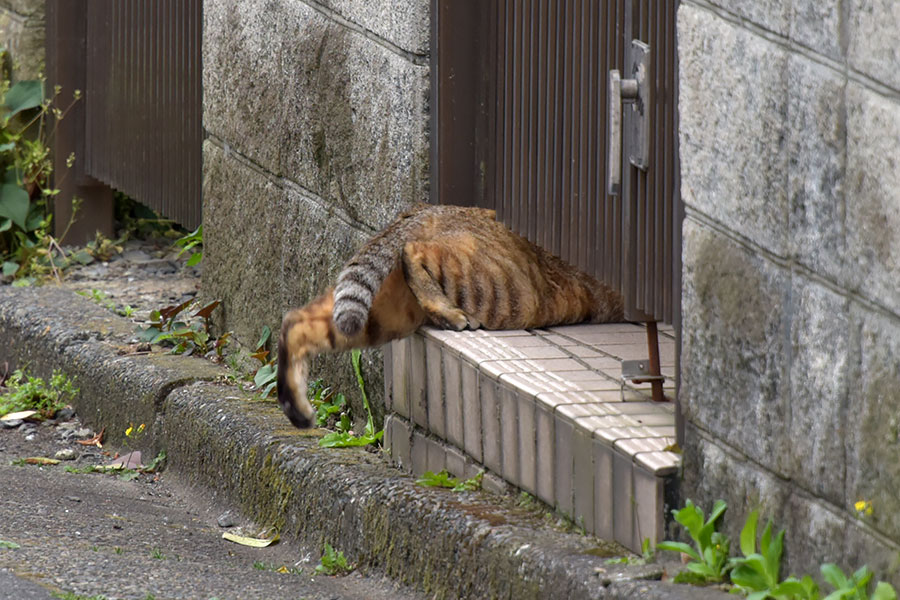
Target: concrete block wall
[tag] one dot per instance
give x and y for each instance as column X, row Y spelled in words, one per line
column 790, row 376
column 22, row 36
column 316, row 119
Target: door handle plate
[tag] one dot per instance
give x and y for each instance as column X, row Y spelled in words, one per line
column 635, row 92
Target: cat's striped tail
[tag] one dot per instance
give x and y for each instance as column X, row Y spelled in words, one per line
column 362, row 276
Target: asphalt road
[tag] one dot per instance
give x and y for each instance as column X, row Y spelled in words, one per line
column 93, row 534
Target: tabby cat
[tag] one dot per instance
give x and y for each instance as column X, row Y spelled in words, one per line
column 450, row 266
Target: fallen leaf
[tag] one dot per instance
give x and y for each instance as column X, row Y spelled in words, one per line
column 22, row 414
column 41, row 460
column 94, row 441
column 249, row 541
column 206, row 310
column 132, row 460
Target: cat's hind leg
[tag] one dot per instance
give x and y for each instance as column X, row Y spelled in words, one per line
column 431, row 274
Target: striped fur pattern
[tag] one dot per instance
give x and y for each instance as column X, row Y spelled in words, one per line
column 453, row 267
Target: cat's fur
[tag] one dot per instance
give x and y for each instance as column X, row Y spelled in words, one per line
column 450, row 266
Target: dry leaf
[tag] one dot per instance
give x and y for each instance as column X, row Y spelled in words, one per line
column 22, row 414
column 41, row 460
column 94, row 441
column 206, row 310
column 249, row 541
column 132, row 460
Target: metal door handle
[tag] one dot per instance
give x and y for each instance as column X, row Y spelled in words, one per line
column 636, row 92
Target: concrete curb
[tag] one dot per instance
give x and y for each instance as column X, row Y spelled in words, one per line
column 450, row 545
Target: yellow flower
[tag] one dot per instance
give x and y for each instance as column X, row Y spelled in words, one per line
column 141, row 428
column 863, row 508
column 131, row 428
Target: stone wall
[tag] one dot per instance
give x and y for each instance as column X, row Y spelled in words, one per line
column 316, row 116
column 790, row 144
column 22, row 35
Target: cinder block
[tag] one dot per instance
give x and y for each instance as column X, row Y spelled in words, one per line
column 735, row 172
column 435, row 388
column 872, row 32
column 745, row 390
column 453, row 402
column 471, row 402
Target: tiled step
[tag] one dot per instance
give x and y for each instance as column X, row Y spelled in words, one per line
column 545, row 411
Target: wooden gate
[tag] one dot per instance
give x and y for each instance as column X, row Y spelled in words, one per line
column 522, row 125
column 139, row 127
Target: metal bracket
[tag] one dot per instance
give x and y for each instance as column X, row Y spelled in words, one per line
column 634, row 91
column 637, row 371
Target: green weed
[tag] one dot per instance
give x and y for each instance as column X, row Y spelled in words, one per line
column 186, row 335
column 757, row 573
column 189, row 242
column 28, row 122
column 443, row 479
column 709, row 556
column 100, row 297
column 333, row 562
column 344, row 438
column 24, row 392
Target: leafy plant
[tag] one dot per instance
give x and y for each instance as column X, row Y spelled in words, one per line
column 709, row 555
column 333, row 562
column 757, row 572
column 24, row 392
column 266, row 376
column 328, row 404
column 345, row 438
column 28, row 122
column 855, row 587
column 189, row 242
column 265, row 379
column 443, row 479
column 100, row 297
column 185, row 335
column 8, row 545
column 647, row 554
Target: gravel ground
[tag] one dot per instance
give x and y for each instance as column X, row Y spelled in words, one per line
column 148, row 537
column 151, row 536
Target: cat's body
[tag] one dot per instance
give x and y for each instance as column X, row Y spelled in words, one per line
column 451, row 266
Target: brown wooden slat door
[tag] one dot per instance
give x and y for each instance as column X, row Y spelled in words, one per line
column 143, row 102
column 520, row 125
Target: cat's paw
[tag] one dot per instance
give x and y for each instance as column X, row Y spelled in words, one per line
column 454, row 319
